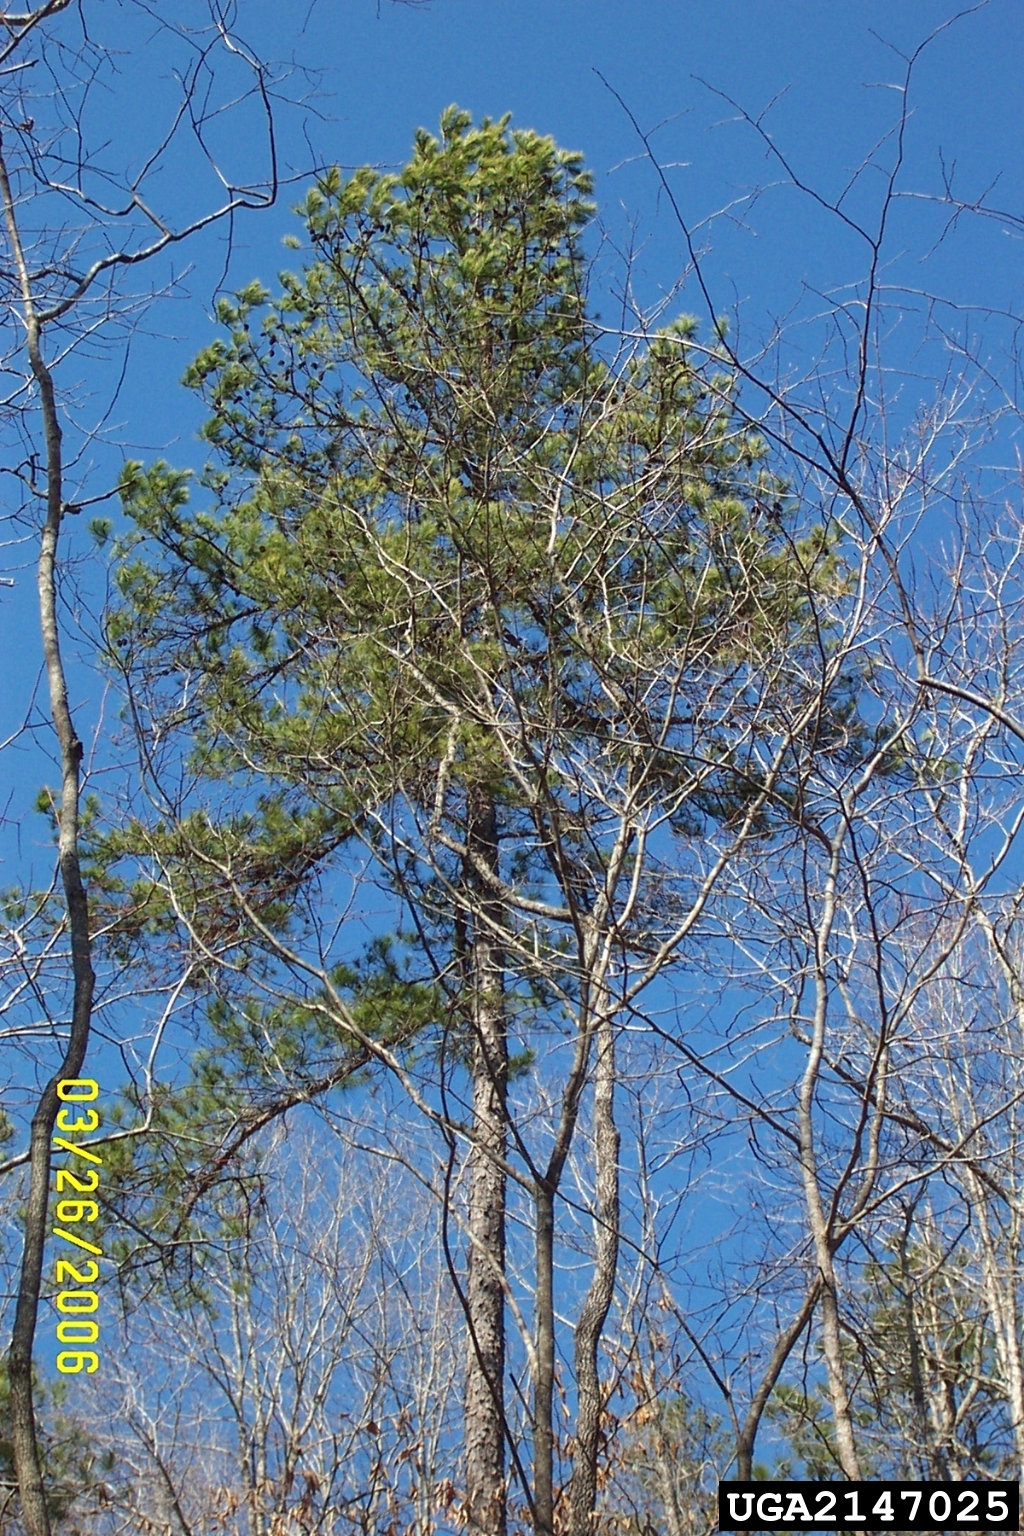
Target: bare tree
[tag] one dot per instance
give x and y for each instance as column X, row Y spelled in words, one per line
column 76, row 224
column 312, row 1382
column 875, row 888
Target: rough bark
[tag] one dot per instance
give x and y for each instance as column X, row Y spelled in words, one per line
column 485, row 1430
column 28, row 1467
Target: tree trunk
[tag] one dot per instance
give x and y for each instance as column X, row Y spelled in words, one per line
column 746, row 1436
column 821, row 1234
column 544, row 1386
column 1001, row 1271
column 485, row 1296
column 934, row 1460
column 28, row 1467
column 590, row 1325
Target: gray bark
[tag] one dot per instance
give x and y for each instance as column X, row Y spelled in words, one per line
column 28, row 1467
column 486, row 1504
column 818, row 1221
column 591, row 1321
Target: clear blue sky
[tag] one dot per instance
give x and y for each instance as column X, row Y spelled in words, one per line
column 385, row 69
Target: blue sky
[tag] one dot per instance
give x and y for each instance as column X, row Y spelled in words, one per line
column 829, row 69
column 383, row 70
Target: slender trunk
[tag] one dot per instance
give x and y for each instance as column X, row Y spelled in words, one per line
column 947, row 1365
column 933, row 1457
column 591, row 1321
column 545, row 1192
column 485, row 1296
column 665, row 1467
column 544, row 1385
column 831, row 1341
column 28, row 1467
column 1001, row 1278
column 747, row 1434
column 842, row 1416
column 594, row 957
column 818, row 1222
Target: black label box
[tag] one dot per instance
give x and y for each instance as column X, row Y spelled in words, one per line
column 874, row 1506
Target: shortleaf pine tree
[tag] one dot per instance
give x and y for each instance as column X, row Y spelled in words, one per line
column 518, row 622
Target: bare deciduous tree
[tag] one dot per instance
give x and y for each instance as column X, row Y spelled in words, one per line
column 75, row 225
column 308, row 1380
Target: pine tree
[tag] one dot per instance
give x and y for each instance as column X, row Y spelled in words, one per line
column 506, row 614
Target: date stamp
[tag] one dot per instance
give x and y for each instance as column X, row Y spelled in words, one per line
column 874, row 1506
column 76, row 1276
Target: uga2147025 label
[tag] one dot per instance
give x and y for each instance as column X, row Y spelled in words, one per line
column 868, row 1506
